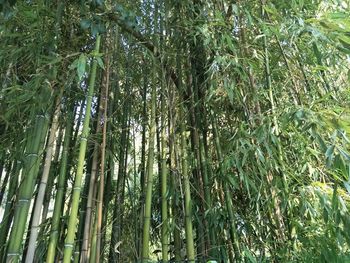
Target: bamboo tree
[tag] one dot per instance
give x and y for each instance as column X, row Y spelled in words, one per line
column 88, row 222
column 174, row 163
column 147, row 213
column 61, row 181
column 8, row 211
column 83, row 202
column 245, row 170
column 164, row 182
column 97, row 224
column 52, row 176
column 103, row 158
column 69, row 242
column 43, row 182
column 110, row 158
column 122, row 170
column 33, row 153
column 93, row 241
column 228, row 198
column 143, row 158
column 296, row 97
column 196, row 92
column 187, row 190
column 162, row 152
column 255, row 104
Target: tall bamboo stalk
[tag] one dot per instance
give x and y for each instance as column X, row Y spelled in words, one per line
column 188, row 201
column 164, row 182
column 173, row 172
column 34, row 230
column 142, row 161
column 26, row 189
column 103, row 159
column 69, row 242
column 61, row 181
column 227, row 192
column 8, row 211
column 84, row 255
column 52, row 176
column 120, row 188
column 147, row 213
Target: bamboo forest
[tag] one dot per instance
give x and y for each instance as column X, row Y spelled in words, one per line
column 175, row 131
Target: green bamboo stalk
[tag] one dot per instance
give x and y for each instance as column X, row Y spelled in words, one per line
column 188, row 202
column 228, row 198
column 110, row 172
column 297, row 100
column 26, row 189
column 69, row 242
column 52, row 177
column 120, row 189
column 84, row 255
column 34, row 231
column 268, row 82
column 93, row 241
column 88, row 222
column 83, row 203
column 134, row 195
column 102, row 117
column 61, row 181
column 177, row 244
column 143, row 160
column 41, row 163
column 164, row 170
column 8, row 211
column 150, row 161
column 104, row 103
column 164, row 182
column 173, row 182
column 53, row 69
column 174, row 185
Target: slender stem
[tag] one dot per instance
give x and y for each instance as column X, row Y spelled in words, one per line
column 103, row 158
column 147, row 214
column 34, row 231
column 188, row 201
column 61, row 181
column 26, row 189
column 69, row 242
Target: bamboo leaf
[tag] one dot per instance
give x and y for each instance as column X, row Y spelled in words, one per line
column 100, row 62
column 81, row 66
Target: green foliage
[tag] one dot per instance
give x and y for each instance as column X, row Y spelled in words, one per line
column 264, row 90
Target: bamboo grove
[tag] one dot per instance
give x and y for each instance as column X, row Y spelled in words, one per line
column 174, row 131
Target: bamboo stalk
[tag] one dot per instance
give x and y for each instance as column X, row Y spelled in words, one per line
column 34, row 230
column 164, row 182
column 61, row 181
column 188, row 201
column 103, row 153
column 8, row 211
column 26, row 189
column 227, row 194
column 69, row 242
column 147, row 213
column 84, row 255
